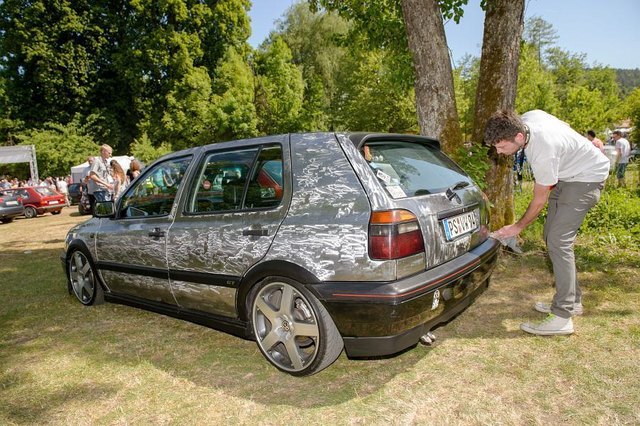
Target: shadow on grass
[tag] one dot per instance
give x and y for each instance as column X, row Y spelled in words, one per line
column 114, row 338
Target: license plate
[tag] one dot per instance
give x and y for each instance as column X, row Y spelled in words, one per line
column 11, row 203
column 460, row 225
column 53, row 202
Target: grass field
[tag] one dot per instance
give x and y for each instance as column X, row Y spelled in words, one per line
column 62, row 363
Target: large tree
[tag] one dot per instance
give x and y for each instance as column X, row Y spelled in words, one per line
column 414, row 29
column 497, row 85
column 435, row 95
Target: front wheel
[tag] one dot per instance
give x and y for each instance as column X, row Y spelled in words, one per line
column 292, row 328
column 82, row 279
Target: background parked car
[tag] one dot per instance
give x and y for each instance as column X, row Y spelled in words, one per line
column 75, row 192
column 10, row 206
column 84, row 205
column 38, row 200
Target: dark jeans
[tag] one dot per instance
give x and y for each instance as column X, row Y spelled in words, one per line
column 92, row 201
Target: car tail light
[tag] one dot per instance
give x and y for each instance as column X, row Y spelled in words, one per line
column 394, row 234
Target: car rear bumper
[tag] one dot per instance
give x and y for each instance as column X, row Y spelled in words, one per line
column 11, row 211
column 377, row 319
column 50, row 207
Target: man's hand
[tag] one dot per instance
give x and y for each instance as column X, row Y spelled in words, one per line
column 540, row 195
column 507, row 232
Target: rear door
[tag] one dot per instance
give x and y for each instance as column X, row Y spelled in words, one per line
column 231, row 213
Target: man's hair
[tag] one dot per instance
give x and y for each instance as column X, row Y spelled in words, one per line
column 107, row 147
column 591, row 133
column 503, row 125
column 617, row 132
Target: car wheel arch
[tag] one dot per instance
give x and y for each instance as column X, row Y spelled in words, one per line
column 273, row 268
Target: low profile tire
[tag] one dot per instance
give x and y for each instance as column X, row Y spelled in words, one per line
column 30, row 212
column 292, row 329
column 83, row 282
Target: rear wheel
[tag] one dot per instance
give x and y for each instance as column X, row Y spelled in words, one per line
column 292, row 328
column 30, row 212
column 82, row 279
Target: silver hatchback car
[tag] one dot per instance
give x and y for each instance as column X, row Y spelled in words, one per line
column 305, row 243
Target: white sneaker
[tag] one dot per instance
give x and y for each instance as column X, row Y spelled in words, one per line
column 550, row 326
column 545, row 308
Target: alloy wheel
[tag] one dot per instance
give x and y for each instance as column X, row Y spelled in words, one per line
column 286, row 327
column 82, row 278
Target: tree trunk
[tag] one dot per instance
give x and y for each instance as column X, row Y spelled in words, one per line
column 503, row 24
column 435, row 96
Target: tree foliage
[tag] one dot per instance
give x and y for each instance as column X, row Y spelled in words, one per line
column 233, row 110
column 631, row 108
column 59, row 147
column 279, row 89
column 125, row 67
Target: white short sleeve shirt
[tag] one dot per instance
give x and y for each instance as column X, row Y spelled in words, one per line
column 556, row 152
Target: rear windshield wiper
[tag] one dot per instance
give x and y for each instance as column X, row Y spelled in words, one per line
column 458, row 185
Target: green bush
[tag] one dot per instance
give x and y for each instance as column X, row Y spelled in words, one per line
column 611, row 227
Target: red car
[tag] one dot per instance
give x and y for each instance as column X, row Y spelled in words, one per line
column 38, row 200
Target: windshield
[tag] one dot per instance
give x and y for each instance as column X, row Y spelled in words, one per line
column 406, row 169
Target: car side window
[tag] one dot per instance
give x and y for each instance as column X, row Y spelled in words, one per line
column 235, row 180
column 266, row 186
column 155, row 193
column 221, row 181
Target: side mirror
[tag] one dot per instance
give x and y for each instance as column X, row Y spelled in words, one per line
column 103, row 209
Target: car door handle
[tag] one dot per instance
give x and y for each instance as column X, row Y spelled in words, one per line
column 260, row 232
column 157, row 233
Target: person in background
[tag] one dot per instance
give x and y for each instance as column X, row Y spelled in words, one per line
column 569, row 173
column 134, row 170
column 100, row 178
column 62, row 187
column 87, row 170
column 120, row 180
column 591, row 135
column 623, row 149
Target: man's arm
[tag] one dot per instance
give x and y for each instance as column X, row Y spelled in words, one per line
column 101, row 182
column 540, row 196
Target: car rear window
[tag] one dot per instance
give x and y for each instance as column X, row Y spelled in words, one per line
column 408, row 169
column 43, row 190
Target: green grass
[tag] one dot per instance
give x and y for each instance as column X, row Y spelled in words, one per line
column 63, row 363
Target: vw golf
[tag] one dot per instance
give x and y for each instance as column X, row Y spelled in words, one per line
column 306, row 243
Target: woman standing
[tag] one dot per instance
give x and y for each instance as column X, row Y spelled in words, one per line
column 119, row 177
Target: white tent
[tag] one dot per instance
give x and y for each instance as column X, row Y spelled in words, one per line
column 79, row 172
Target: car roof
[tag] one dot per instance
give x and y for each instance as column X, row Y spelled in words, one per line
column 357, row 138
